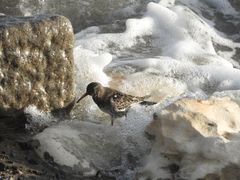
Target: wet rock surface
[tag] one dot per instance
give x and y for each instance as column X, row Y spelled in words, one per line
column 84, row 153
column 36, row 68
column 10, row 7
column 82, row 14
column 231, row 171
column 36, row 62
column 18, row 159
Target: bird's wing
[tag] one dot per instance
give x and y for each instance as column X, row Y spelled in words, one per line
column 117, row 102
column 121, row 102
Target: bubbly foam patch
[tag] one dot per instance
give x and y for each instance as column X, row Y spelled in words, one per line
column 175, row 32
column 52, row 144
column 180, row 76
column 90, row 66
column 37, row 119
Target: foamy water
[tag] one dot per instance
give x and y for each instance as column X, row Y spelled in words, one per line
column 168, row 53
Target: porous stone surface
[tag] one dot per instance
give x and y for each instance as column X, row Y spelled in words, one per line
column 36, row 62
column 199, row 136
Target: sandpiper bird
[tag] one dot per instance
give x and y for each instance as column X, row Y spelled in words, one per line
column 111, row 101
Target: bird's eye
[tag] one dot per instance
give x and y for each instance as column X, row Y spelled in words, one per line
column 115, row 96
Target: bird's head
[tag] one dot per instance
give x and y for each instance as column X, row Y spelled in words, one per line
column 91, row 89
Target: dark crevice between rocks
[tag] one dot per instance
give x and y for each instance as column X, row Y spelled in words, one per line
column 19, row 160
column 235, row 4
column 224, row 23
column 230, row 171
column 236, row 56
column 220, row 47
column 12, row 121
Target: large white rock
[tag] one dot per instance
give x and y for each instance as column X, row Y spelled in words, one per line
column 200, row 136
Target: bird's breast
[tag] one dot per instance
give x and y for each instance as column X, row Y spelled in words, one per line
column 102, row 104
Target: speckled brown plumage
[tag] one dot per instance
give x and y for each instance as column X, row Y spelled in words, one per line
column 111, row 101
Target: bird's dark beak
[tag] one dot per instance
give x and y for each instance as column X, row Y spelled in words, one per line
column 83, row 96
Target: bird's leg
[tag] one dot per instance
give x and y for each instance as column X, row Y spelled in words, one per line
column 112, row 120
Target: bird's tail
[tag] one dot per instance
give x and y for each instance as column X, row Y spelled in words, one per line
column 147, row 103
column 146, row 97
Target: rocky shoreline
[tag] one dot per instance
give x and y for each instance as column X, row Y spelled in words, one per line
column 36, row 55
column 191, row 133
column 17, row 157
column 19, row 161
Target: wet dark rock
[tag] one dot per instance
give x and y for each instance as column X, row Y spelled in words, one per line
column 107, row 175
column 14, row 169
column 12, row 154
column 224, row 24
column 36, row 55
column 235, row 4
column 236, row 56
column 32, row 161
column 25, row 145
column 211, row 177
column 174, row 168
column 206, row 14
column 34, row 143
column 220, row 47
column 10, row 7
column 82, row 13
column 132, row 161
column 232, row 171
column 2, row 167
column 48, row 157
column 149, row 136
column 9, row 162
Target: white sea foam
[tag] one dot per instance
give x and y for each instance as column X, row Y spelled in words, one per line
column 206, row 78
column 38, row 119
column 55, row 146
column 178, row 33
column 89, row 67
